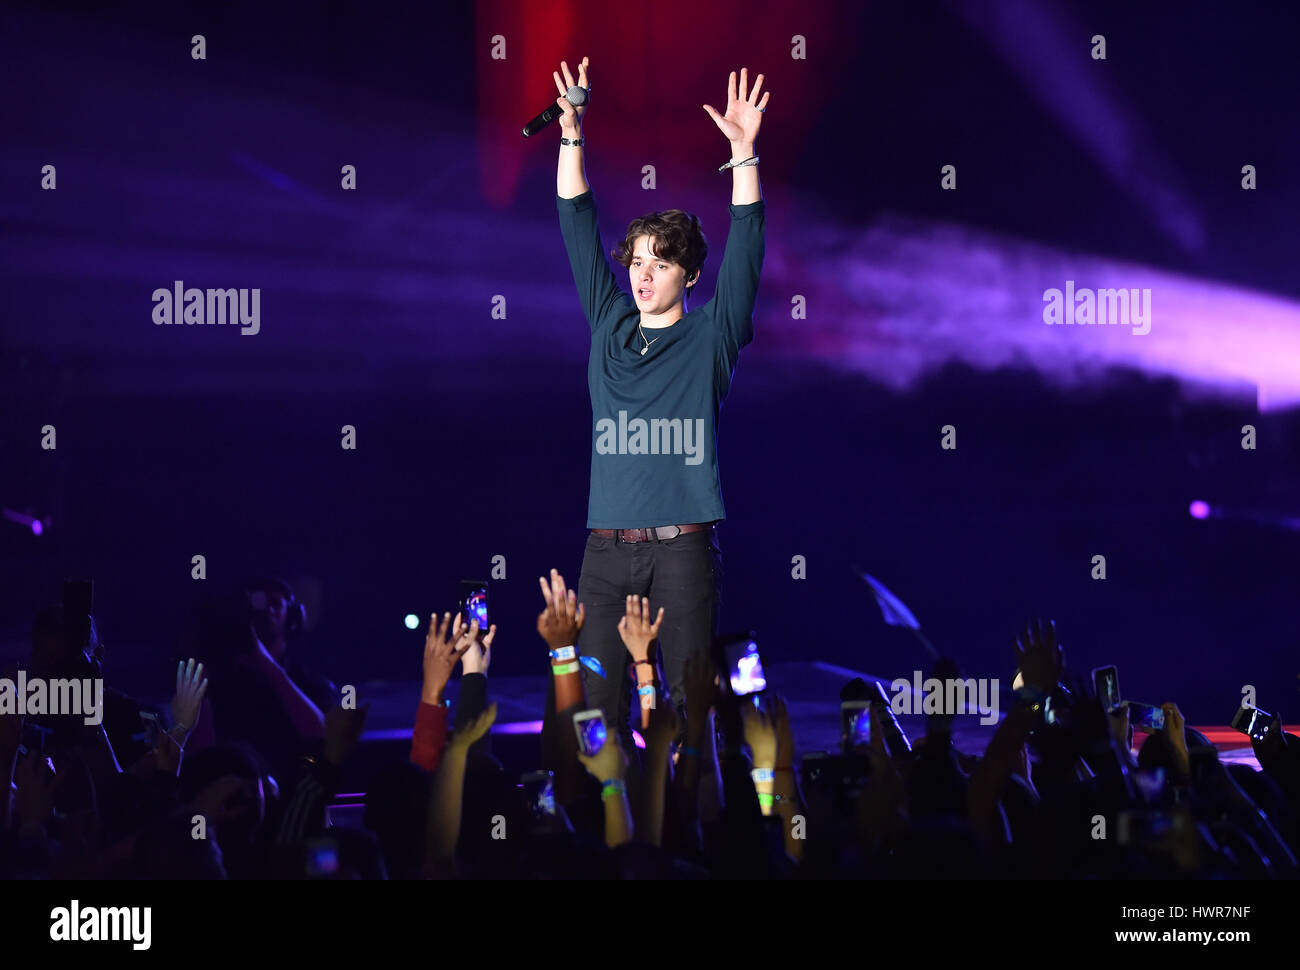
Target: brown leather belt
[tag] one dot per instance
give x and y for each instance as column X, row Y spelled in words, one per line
column 653, row 534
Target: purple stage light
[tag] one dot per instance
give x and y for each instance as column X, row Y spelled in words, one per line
column 518, row 727
column 23, row 519
column 1199, row 510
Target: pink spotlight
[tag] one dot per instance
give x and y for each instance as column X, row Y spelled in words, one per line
column 37, row 528
column 1199, row 510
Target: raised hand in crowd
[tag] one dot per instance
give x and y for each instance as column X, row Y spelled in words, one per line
column 443, row 649
column 1041, row 660
column 883, row 810
column 636, row 628
column 477, row 657
column 639, row 634
column 1175, row 730
column 698, row 685
column 609, row 767
column 560, row 624
column 561, row 621
column 659, row 737
column 445, row 805
column 1040, row 656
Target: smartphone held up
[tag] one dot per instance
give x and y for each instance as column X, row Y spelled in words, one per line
column 591, row 731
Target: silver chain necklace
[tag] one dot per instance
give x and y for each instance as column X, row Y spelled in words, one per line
column 646, row 348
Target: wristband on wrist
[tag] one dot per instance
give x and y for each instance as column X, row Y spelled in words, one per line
column 612, row 786
column 760, row 775
column 765, row 799
column 559, row 670
column 752, row 160
column 643, row 689
column 575, row 142
column 564, row 653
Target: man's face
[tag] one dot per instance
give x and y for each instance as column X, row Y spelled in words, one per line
column 269, row 621
column 656, row 283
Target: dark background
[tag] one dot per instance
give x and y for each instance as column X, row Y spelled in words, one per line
column 473, row 433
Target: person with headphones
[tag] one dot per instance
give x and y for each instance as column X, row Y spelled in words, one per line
column 280, row 619
column 261, row 696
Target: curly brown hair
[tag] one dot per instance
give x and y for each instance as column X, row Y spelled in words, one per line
column 675, row 237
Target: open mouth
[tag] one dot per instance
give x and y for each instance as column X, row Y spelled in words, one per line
column 644, row 293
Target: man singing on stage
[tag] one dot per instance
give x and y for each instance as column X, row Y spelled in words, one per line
column 658, row 374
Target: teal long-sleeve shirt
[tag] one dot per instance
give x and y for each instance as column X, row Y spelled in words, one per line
column 654, row 448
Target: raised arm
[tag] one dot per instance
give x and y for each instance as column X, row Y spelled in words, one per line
column 602, row 300
column 740, row 124
column 732, row 306
column 571, row 175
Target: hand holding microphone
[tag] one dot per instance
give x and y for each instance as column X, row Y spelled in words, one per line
column 569, row 107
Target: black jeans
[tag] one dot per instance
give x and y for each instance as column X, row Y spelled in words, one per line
column 684, row 576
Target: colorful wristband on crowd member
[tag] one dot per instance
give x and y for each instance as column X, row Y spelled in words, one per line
column 644, row 689
column 765, row 799
column 612, row 786
column 564, row 653
column 559, row 670
column 638, row 663
column 760, row 775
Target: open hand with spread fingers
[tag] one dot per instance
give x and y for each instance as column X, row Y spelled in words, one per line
column 636, row 629
column 443, row 648
column 1039, row 655
column 744, row 115
column 187, row 702
column 561, row 622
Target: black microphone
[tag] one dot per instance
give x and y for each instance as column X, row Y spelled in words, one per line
column 576, row 96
